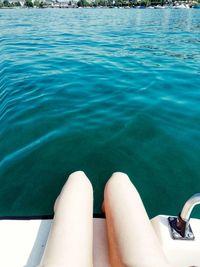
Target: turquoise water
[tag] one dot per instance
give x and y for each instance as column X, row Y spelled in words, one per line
column 99, row 90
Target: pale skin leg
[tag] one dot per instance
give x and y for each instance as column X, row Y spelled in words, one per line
column 70, row 239
column 132, row 240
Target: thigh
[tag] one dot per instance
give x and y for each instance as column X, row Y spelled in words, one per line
column 70, row 238
column 132, row 240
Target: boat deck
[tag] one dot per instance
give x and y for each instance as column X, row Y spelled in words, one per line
column 22, row 242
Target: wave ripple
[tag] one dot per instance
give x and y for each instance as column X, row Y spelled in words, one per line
column 102, row 91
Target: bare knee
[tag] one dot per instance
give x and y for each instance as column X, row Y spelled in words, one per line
column 117, row 179
column 77, row 182
column 79, row 177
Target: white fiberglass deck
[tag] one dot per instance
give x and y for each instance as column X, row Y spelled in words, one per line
column 22, row 242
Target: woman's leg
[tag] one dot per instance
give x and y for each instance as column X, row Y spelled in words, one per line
column 70, row 239
column 132, row 240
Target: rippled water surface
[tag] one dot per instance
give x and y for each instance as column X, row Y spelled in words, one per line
column 99, row 90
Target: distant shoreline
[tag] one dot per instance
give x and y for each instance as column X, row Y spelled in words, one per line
column 126, row 4
column 105, row 7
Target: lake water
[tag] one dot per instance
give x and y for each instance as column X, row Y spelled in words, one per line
column 99, row 90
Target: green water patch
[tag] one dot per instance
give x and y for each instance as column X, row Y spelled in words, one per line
column 160, row 166
column 99, row 91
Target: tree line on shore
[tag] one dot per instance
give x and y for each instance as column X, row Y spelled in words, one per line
column 27, row 3
column 85, row 3
column 126, row 3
